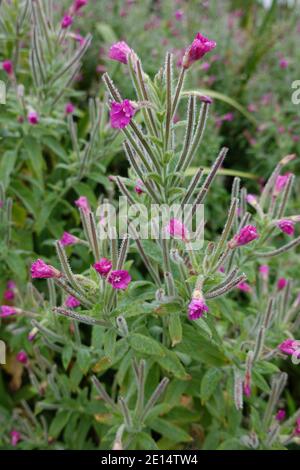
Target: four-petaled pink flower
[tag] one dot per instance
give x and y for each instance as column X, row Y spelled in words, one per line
column 246, row 235
column 71, row 302
column 199, row 47
column 244, row 287
column 68, row 239
column 41, row 270
column 69, row 108
column 119, row 279
column 281, row 283
column 290, row 347
column 280, row 415
column 33, row 117
column 119, row 51
column 197, row 308
column 264, row 271
column 22, row 357
column 8, row 67
column 7, row 311
column 177, row 229
column 15, row 437
column 103, row 266
column 66, row 21
column 121, row 114
column 281, row 182
column 286, row 226
column 83, row 204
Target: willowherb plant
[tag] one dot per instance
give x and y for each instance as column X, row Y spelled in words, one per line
column 182, row 360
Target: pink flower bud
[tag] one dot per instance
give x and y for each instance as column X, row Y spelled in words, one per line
column 264, row 271
column 281, row 183
column 251, row 199
column 280, row 415
column 22, row 357
column 121, row 114
column 8, row 67
column 139, row 187
column 9, row 294
column 199, row 47
column 66, row 21
column 281, row 283
column 119, row 279
column 177, row 229
column 297, row 428
column 283, row 63
column 103, row 266
column 33, row 117
column 119, row 52
column 32, row 334
column 286, row 226
column 179, row 14
column 71, row 302
column 83, row 204
column 15, row 437
column 69, row 108
column 206, row 99
column 41, row 270
column 68, row 239
column 78, row 4
column 246, row 235
column 244, row 287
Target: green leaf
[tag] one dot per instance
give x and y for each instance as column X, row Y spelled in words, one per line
column 209, row 383
column 171, row 363
column 67, row 355
column 59, row 422
column 146, row 345
column 7, row 164
column 35, row 157
column 109, row 343
column 170, row 431
column 84, row 359
column 175, row 329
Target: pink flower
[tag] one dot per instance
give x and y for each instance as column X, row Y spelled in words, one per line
column 179, row 15
column 247, row 389
column 78, row 4
column 119, row 279
column 119, row 52
column 41, row 270
column 283, row 63
column 264, row 271
column 287, row 226
column 199, row 47
column 66, row 21
column 280, row 415
column 251, row 199
column 206, row 99
column 15, row 437
column 244, row 287
column 9, row 294
column 281, row 183
column 290, row 347
column 196, row 309
column 139, row 187
column 121, row 114
column 281, row 283
column 177, row 229
column 205, row 66
column 22, row 357
column 7, row 311
column 33, row 117
column 8, row 67
column 246, row 235
column 11, row 285
column 69, row 108
column 71, row 302
column 103, row 266
column 68, row 239
column 252, row 107
column 83, row 204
